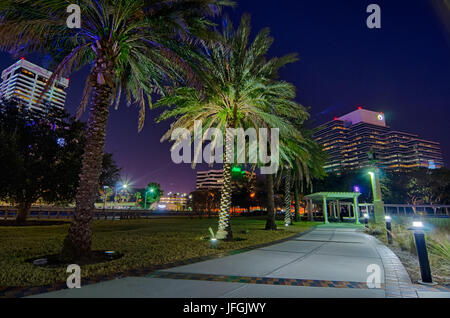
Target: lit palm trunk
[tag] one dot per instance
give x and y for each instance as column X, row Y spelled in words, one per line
column 224, row 232
column 287, row 199
column 79, row 239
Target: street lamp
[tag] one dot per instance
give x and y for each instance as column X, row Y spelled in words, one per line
column 388, row 228
column 104, row 190
column 151, row 190
column 124, row 186
column 378, row 204
column 422, row 253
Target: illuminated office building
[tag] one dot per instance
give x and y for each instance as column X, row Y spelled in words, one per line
column 23, row 82
column 348, row 139
column 213, row 179
column 173, row 202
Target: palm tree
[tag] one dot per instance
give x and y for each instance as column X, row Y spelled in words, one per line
column 287, row 198
column 305, row 172
column 239, row 91
column 303, row 161
column 137, row 47
column 270, row 221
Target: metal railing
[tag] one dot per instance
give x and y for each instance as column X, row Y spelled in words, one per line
column 427, row 210
column 38, row 213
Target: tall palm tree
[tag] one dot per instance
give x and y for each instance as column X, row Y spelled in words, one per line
column 303, row 161
column 239, row 91
column 270, row 221
column 287, row 198
column 305, row 172
column 133, row 46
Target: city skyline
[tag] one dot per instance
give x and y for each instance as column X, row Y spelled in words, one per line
column 392, row 71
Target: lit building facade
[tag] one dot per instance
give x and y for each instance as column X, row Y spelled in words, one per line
column 213, row 179
column 24, row 81
column 209, row 179
column 348, row 139
column 173, row 202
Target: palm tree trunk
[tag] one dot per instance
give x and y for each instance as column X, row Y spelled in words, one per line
column 270, row 223
column 297, row 203
column 287, row 198
column 79, row 239
column 224, row 232
column 23, row 212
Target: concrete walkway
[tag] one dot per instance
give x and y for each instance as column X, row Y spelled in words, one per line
column 327, row 262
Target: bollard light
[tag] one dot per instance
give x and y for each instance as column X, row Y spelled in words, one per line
column 418, row 225
column 366, row 219
column 388, row 228
column 422, row 253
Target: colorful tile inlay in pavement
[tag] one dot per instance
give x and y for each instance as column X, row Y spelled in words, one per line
column 261, row 280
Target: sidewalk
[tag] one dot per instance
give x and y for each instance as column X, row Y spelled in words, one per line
column 330, row 261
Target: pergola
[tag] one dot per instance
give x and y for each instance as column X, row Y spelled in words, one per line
column 324, row 197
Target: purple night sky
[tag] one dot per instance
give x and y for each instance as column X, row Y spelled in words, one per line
column 402, row 70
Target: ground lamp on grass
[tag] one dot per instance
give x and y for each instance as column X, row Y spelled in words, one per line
column 213, row 241
column 422, row 253
column 110, row 254
column 388, row 228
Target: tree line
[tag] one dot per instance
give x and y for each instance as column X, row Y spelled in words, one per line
column 41, row 157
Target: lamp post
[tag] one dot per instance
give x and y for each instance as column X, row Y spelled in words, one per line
column 145, row 201
column 378, row 204
column 124, row 186
column 115, row 197
column 104, row 203
column 422, row 253
column 388, row 228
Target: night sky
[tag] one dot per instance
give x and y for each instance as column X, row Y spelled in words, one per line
column 402, row 69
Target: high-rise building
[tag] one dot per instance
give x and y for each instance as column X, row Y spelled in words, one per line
column 213, row 179
column 348, row 139
column 209, row 179
column 24, row 81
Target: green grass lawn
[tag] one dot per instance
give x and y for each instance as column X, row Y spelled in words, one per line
column 144, row 242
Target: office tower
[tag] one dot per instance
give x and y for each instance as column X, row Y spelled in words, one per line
column 24, row 81
column 348, row 139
